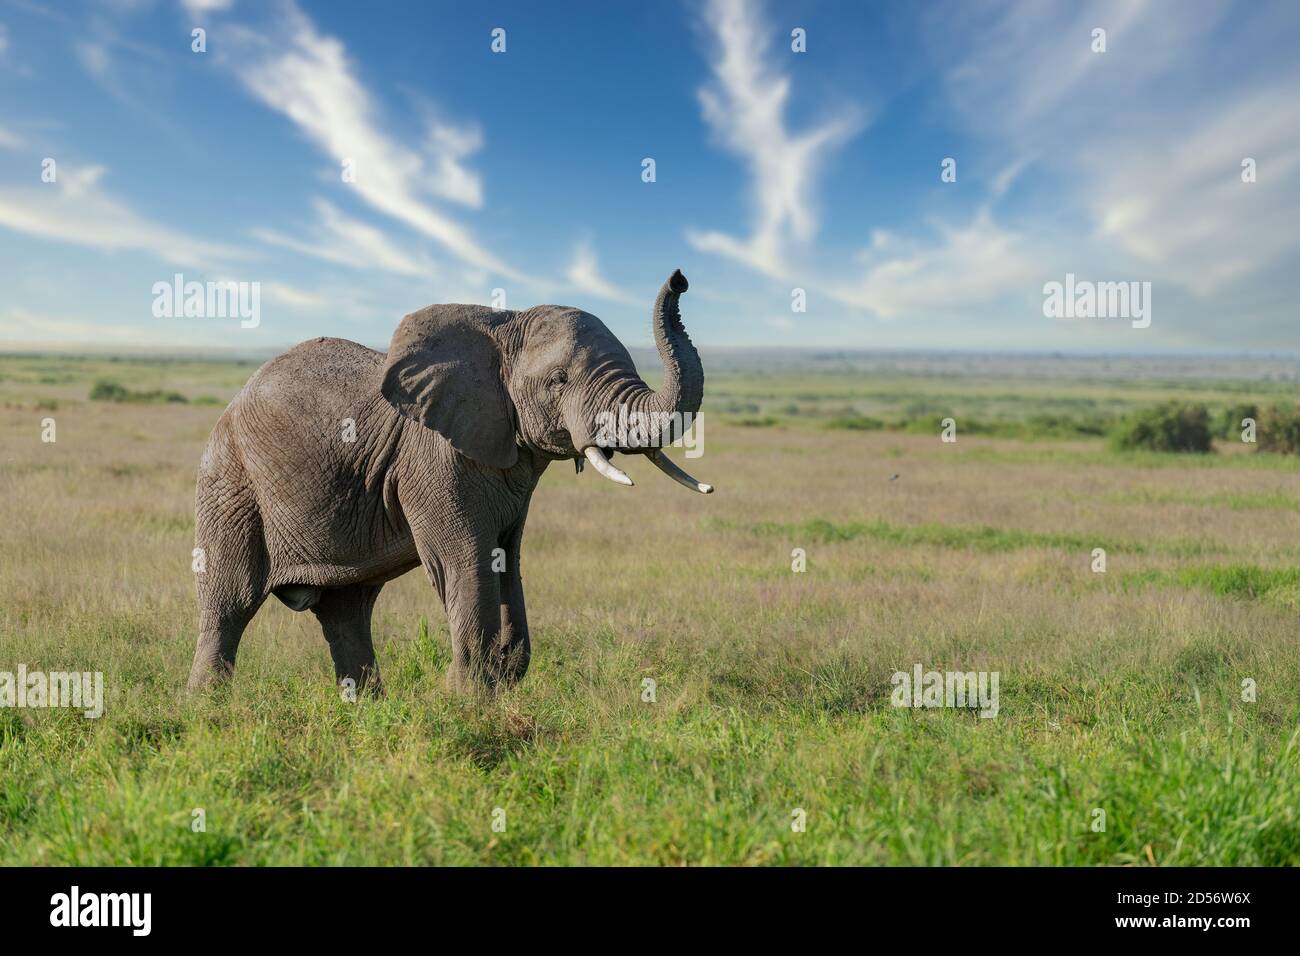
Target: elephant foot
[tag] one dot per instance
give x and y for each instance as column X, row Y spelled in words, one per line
column 206, row 676
column 502, row 669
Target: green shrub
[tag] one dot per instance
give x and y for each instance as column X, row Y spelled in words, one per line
column 856, row 423
column 106, row 390
column 1172, row 426
column 1062, row 426
column 1228, row 426
column 1277, row 430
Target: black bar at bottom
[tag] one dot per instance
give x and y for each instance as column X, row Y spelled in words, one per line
column 331, row 905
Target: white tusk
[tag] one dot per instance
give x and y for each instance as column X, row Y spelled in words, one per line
column 603, row 465
column 669, row 468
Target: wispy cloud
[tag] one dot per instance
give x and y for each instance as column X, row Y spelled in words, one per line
column 76, row 209
column 293, row 296
column 746, row 107
column 309, row 78
column 960, row 269
column 350, row 242
column 1177, row 203
column 125, row 68
column 198, row 8
column 449, row 178
column 94, row 58
column 25, row 327
column 584, row 274
column 1160, row 175
column 1149, row 158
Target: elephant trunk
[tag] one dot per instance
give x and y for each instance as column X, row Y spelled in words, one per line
column 679, row 398
column 665, row 415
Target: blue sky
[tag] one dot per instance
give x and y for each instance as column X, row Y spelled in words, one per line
column 775, row 170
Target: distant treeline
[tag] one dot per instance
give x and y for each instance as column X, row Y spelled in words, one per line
column 1170, row 426
column 106, row 390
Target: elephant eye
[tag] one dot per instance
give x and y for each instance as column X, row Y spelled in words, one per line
column 557, row 378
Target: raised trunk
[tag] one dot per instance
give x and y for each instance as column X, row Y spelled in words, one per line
column 683, row 386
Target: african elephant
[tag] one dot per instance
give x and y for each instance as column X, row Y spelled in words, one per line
column 338, row 468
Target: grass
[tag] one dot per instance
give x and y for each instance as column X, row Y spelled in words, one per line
column 1120, row 692
column 1251, row 582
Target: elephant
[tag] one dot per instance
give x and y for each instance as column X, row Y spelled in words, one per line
column 338, row 468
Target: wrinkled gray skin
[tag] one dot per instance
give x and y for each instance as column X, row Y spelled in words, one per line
column 454, row 427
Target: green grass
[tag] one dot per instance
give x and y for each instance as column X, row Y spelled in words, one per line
column 981, row 538
column 1270, row 501
column 1120, row 692
column 287, row 773
column 1281, row 585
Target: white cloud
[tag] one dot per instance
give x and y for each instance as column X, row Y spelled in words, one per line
column 1006, row 178
column 993, row 51
column 964, row 268
column 77, row 181
column 75, row 209
column 1138, row 143
column 199, row 8
column 293, row 296
column 10, row 140
column 125, row 68
column 1156, row 160
column 584, row 274
column 23, row 327
column 746, row 107
column 350, row 242
column 308, row 77
column 94, row 59
column 1178, row 205
column 449, row 179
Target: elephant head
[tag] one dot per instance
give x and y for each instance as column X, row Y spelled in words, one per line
column 550, row 379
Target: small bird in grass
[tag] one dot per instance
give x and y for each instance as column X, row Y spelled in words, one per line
column 892, row 477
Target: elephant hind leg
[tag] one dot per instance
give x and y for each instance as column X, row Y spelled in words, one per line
column 230, row 566
column 344, row 615
column 219, row 635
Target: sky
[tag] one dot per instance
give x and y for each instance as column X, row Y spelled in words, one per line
column 358, row 161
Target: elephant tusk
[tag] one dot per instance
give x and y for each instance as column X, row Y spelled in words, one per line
column 669, row 468
column 603, row 465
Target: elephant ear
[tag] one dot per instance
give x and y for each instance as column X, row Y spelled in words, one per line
column 444, row 371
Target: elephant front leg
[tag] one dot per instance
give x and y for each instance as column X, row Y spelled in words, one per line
column 513, row 646
column 474, row 615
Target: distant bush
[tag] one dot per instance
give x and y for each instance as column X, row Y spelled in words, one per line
column 1228, row 425
column 1277, row 429
column 106, row 390
column 1172, row 426
column 930, row 424
column 1033, row 427
column 856, row 423
column 1062, row 426
column 766, row 421
column 738, row 408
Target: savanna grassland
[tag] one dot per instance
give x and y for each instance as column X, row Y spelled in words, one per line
column 1119, row 691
